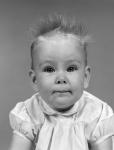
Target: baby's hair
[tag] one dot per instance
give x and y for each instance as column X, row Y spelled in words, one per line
column 60, row 23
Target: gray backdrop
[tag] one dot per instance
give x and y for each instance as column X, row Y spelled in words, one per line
column 17, row 16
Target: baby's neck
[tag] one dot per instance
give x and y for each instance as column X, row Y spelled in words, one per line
column 63, row 110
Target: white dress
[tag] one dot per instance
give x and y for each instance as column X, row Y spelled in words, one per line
column 90, row 121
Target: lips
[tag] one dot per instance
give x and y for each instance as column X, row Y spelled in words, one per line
column 62, row 91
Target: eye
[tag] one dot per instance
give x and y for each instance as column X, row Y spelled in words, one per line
column 72, row 68
column 49, row 69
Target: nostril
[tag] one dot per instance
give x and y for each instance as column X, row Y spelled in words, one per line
column 58, row 82
column 61, row 79
column 61, row 82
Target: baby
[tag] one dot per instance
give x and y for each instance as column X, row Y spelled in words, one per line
column 61, row 115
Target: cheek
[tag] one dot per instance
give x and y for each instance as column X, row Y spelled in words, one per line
column 44, row 83
column 76, row 79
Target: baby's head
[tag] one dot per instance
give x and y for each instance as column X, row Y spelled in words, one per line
column 59, row 68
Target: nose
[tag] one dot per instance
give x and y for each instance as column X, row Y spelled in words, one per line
column 61, row 79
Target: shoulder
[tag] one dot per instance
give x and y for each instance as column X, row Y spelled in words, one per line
column 26, row 116
column 29, row 109
column 99, row 119
column 93, row 108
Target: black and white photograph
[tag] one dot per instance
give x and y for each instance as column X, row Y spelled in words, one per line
column 57, row 75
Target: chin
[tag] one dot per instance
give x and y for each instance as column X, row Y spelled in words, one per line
column 62, row 107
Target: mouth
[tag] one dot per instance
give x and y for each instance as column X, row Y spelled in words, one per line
column 62, row 92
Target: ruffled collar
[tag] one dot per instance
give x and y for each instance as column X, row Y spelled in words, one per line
column 49, row 111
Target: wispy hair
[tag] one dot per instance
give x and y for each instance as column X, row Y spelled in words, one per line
column 64, row 25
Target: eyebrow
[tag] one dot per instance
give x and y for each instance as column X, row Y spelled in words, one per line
column 74, row 60
column 46, row 62
column 52, row 62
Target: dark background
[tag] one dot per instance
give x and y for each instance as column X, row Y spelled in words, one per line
column 16, row 18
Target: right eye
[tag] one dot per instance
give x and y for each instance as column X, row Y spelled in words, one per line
column 49, row 69
column 72, row 68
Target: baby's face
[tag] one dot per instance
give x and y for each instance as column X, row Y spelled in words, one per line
column 61, row 74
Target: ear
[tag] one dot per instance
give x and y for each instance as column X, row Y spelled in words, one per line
column 32, row 75
column 87, row 76
column 34, row 81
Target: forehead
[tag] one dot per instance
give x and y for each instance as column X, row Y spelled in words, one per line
column 59, row 46
column 55, row 37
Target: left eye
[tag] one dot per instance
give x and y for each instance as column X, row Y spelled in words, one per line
column 49, row 69
column 72, row 68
